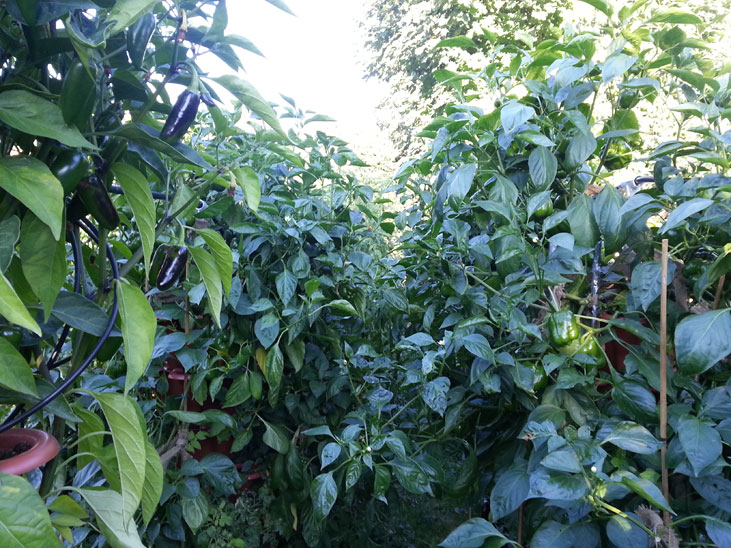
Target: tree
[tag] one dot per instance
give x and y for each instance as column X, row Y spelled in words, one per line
column 407, row 40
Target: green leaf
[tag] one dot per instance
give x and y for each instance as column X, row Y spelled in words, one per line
column 118, row 529
column 209, row 272
column 33, row 184
column 220, row 472
column 582, row 223
column 91, row 423
column 191, row 417
column 459, row 183
column 323, row 430
column 15, row 373
column 514, row 114
column 352, row 474
column 195, row 510
column 472, row 534
column 43, row 259
column 9, row 232
column 646, row 282
column 676, row 17
column 281, row 5
column 703, row 340
column 329, row 454
column 456, row 42
column 552, row 534
column 137, row 191
column 581, row 148
column 35, row 115
column 249, row 96
column 341, row 305
column 606, row 208
column 700, row 442
column 24, row 519
column 124, row 13
column 266, row 329
column 644, row 488
column 479, row 346
column 625, row 534
column 150, row 137
column 601, row 5
column 543, row 166
column 511, row 489
column 719, row 531
column 715, row 489
column 152, row 488
column 616, row 65
column 239, row 392
column 286, row 283
column 275, row 438
column 222, row 255
column 633, row 437
column 248, row 180
column 435, row 394
column 138, row 330
column 381, row 481
column 129, row 448
column 13, row 309
column 80, row 313
column 324, row 492
column 685, row 210
column 274, row 367
column 296, row 353
column 556, row 485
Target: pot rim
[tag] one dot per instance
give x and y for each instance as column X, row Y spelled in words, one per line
column 44, row 447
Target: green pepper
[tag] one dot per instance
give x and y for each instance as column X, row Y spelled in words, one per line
column 540, row 379
column 618, row 156
column 545, row 210
column 69, row 167
column 563, row 329
column 628, row 98
column 96, row 200
column 590, row 347
column 78, row 95
column 138, row 36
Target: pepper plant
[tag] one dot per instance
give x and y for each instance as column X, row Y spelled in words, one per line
column 97, row 167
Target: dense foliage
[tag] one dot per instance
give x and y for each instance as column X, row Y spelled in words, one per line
column 252, row 350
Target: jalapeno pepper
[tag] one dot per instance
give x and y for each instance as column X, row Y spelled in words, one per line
column 181, row 117
column 96, row 200
column 78, row 95
column 138, row 36
column 69, row 167
column 563, row 329
column 172, row 267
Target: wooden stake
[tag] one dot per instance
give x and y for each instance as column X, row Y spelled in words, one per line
column 664, row 374
column 719, row 292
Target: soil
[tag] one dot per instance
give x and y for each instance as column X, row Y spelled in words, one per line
column 19, row 448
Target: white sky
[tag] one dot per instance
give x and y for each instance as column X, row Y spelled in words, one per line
column 311, row 57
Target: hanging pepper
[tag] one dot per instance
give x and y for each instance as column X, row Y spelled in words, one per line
column 181, row 117
column 69, row 167
column 78, row 95
column 138, row 37
column 544, row 210
column 563, row 329
column 96, row 200
column 590, row 347
column 174, row 259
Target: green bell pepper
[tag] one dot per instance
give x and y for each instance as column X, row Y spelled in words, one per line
column 563, row 329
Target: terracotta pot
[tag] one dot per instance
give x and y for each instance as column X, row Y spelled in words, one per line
column 42, row 447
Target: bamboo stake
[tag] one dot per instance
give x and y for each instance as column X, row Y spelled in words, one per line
column 664, row 374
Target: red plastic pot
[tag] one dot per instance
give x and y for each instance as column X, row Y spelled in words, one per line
column 43, row 447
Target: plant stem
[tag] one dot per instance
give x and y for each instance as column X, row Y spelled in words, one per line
column 663, row 375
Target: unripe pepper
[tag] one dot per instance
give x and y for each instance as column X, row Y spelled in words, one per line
column 181, row 117
column 69, row 167
column 590, row 346
column 78, row 96
column 96, row 200
column 563, row 329
column 138, row 36
column 545, row 210
column 172, row 267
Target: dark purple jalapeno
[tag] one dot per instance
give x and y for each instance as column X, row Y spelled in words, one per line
column 181, row 117
column 172, row 267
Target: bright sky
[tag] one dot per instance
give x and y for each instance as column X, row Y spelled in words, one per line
column 311, row 57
